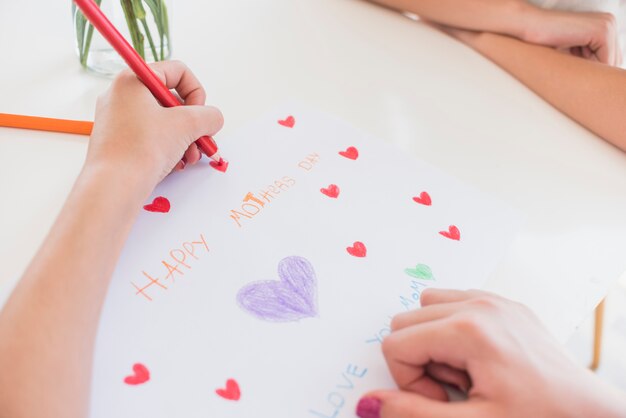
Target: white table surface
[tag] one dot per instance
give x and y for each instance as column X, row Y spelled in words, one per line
column 399, row 80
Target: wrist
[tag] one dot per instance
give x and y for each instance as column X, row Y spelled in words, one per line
column 532, row 23
column 127, row 180
column 521, row 18
column 544, row 26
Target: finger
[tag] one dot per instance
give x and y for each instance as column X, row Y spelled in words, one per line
column 409, row 350
column 427, row 313
column 576, row 51
column 426, row 386
column 196, row 121
column 604, row 55
column 398, row 404
column 179, row 77
column 180, row 166
column 449, row 375
column 192, row 155
column 432, row 296
column 587, row 52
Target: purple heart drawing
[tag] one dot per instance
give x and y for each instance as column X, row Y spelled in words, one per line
column 291, row 298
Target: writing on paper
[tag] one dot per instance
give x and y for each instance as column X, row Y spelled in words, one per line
column 336, row 397
column 174, row 265
column 309, row 161
column 408, row 301
column 253, row 203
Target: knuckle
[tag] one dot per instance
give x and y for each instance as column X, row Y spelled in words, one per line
column 396, row 323
column 427, row 297
column 608, row 22
column 217, row 116
column 486, row 302
column 469, row 326
column 178, row 63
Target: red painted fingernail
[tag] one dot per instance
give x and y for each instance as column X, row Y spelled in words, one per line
column 368, row 408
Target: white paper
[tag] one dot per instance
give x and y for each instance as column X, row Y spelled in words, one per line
column 195, row 335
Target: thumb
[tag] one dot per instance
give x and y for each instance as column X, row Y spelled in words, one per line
column 399, row 404
column 197, row 121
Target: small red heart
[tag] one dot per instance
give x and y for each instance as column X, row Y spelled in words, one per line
column 357, row 250
column 351, row 153
column 423, row 199
column 231, row 392
column 159, row 204
column 221, row 165
column 452, row 233
column 288, row 122
column 331, row 191
column 141, row 375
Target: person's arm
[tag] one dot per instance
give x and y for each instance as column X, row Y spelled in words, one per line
column 511, row 17
column 48, row 325
column 589, row 35
column 591, row 93
column 494, row 350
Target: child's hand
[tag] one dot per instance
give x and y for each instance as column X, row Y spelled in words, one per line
column 588, row 35
column 493, row 349
column 135, row 134
column 591, row 35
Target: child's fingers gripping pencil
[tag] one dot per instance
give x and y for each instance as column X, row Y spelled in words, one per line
column 93, row 13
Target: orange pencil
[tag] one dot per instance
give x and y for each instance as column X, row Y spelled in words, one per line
column 46, row 124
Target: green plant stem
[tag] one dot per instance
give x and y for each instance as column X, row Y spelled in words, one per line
column 159, row 14
column 166, row 28
column 131, row 20
column 140, row 13
column 85, row 54
column 149, row 36
column 84, row 41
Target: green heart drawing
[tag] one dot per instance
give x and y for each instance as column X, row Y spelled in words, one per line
column 421, row 271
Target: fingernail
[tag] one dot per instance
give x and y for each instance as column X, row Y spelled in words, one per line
column 368, row 408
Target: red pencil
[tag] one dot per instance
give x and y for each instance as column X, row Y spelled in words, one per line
column 93, row 13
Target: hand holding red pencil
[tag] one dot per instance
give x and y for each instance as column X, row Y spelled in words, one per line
column 134, row 134
column 162, row 93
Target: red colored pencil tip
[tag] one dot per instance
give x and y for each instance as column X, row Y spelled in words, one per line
column 217, row 158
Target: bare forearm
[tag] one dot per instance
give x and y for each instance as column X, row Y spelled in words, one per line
column 511, row 17
column 48, row 326
column 591, row 93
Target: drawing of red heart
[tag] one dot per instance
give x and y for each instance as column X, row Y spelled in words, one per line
column 357, row 250
column 141, row 375
column 288, row 122
column 222, row 165
column 351, row 153
column 231, row 392
column 452, row 233
column 423, row 199
column 331, row 191
column 159, row 204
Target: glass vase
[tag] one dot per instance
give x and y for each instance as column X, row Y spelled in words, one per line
column 144, row 23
